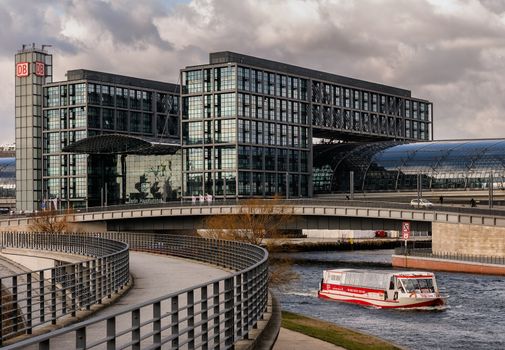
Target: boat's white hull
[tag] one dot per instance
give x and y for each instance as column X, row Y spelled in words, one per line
column 374, row 299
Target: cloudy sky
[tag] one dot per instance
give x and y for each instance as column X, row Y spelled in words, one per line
column 449, row 52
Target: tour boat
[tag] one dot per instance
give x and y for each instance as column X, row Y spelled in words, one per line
column 381, row 289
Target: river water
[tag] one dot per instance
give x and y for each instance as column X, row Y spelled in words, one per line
column 473, row 319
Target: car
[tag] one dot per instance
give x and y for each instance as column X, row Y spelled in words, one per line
column 381, row 234
column 421, row 203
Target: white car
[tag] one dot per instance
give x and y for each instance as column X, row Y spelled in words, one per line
column 421, row 203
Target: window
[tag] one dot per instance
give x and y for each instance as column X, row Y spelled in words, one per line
column 194, row 107
column 194, row 81
column 225, row 105
column 224, row 131
column 108, row 118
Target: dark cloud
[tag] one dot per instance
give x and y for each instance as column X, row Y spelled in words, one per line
column 450, row 52
column 497, row 6
column 128, row 22
column 26, row 23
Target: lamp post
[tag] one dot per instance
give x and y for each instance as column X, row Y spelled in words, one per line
column 419, row 188
column 351, row 185
column 287, row 185
column 491, row 187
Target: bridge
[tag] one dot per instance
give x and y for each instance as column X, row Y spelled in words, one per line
column 474, row 231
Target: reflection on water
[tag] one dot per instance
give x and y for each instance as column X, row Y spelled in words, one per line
column 473, row 318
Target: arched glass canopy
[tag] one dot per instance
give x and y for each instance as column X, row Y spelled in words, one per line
column 394, row 166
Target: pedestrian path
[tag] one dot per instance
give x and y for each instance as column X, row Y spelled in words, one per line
column 154, row 276
column 289, row 340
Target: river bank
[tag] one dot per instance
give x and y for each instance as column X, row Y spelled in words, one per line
column 344, row 244
column 329, row 332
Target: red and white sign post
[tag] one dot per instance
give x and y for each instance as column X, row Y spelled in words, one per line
column 405, row 233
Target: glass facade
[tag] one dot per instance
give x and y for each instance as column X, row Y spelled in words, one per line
column 390, row 166
column 7, row 177
column 265, row 114
column 80, row 108
column 245, row 126
column 243, row 133
column 29, row 80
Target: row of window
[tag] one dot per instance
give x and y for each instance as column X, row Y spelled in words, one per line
column 334, row 95
column 273, row 84
column 210, row 131
column 208, row 158
column 336, row 118
column 261, row 107
column 249, row 184
column 63, row 188
column 65, row 164
column 109, row 119
column 210, row 79
column 263, row 133
column 255, row 158
column 110, row 96
column 272, row 159
column 220, row 105
column 55, row 141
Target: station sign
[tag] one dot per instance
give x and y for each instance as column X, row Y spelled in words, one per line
column 22, row 69
column 40, row 69
column 405, row 230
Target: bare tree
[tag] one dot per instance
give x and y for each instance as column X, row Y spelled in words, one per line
column 51, row 221
column 260, row 222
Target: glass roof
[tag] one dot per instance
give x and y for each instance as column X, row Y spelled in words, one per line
column 121, row 144
column 420, row 157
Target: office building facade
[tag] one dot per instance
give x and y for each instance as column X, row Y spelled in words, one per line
column 248, row 123
column 239, row 126
column 103, row 116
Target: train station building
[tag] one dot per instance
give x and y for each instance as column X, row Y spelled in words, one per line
column 237, row 126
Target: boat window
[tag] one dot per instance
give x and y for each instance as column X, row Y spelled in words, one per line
column 335, row 278
column 422, row 285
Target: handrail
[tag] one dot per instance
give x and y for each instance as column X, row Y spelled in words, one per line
column 38, row 298
column 213, row 314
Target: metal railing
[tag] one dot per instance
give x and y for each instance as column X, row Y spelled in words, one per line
column 39, row 298
column 427, row 253
column 211, row 315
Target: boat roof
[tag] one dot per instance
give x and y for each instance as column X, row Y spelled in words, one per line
column 385, row 272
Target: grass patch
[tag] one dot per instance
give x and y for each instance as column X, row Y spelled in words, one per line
column 333, row 334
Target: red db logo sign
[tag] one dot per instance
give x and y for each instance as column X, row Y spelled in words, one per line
column 22, row 69
column 40, row 69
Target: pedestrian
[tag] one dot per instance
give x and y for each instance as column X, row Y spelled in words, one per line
column 473, row 203
column 441, row 199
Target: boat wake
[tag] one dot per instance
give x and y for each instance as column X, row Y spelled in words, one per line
column 425, row 308
column 303, row 294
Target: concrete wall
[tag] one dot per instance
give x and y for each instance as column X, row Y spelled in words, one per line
column 414, row 262
column 468, row 239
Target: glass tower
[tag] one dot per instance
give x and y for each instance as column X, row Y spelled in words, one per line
column 33, row 69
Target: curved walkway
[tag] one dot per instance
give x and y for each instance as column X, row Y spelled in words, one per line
column 154, row 275
column 289, row 340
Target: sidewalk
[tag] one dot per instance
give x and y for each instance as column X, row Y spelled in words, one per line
column 154, row 276
column 289, row 340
